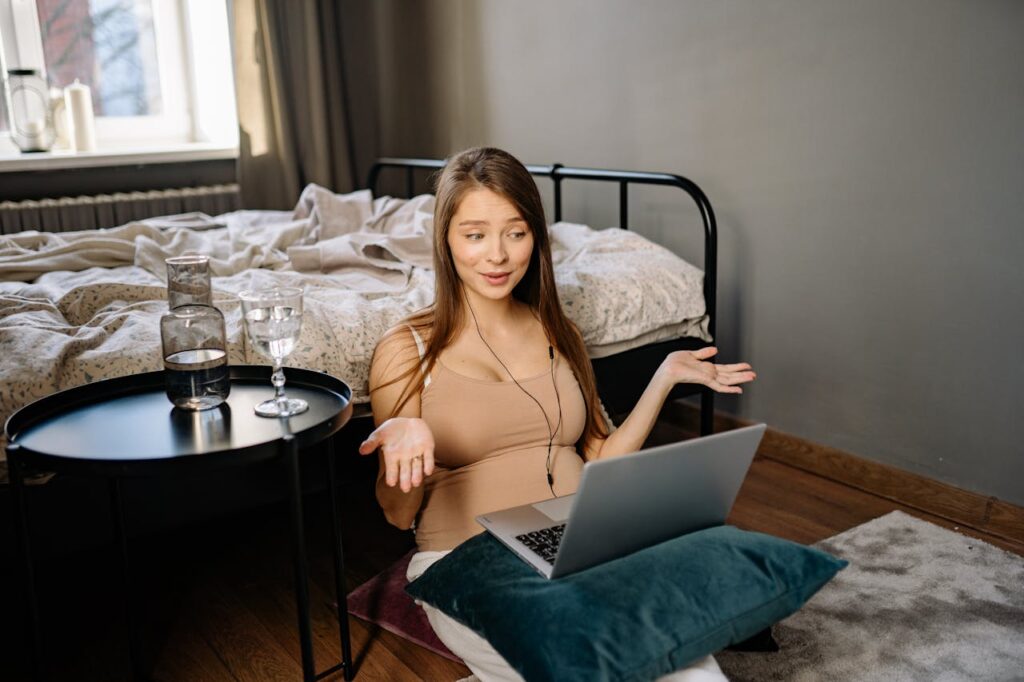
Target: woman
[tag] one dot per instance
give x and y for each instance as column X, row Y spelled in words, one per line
column 495, row 380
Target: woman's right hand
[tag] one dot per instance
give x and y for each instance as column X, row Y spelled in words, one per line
column 407, row 451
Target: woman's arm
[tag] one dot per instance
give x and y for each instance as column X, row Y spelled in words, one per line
column 679, row 367
column 405, row 442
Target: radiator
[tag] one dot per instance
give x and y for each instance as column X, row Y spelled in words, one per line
column 109, row 210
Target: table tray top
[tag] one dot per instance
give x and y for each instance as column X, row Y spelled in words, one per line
column 127, row 425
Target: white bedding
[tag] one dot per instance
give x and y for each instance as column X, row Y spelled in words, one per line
column 81, row 306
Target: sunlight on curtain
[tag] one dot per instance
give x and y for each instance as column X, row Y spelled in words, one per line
column 292, row 105
column 252, row 114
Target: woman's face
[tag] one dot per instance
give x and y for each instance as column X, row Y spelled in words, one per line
column 490, row 243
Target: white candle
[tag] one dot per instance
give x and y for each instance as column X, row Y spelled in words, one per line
column 35, row 133
column 78, row 102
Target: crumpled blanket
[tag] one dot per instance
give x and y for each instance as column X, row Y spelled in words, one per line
column 327, row 232
column 82, row 306
column 348, row 231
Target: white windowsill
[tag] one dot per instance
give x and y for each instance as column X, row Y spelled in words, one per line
column 10, row 162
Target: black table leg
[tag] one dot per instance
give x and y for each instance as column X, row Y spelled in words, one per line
column 339, row 567
column 16, row 477
column 121, row 540
column 290, row 454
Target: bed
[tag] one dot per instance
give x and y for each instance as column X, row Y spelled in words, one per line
column 76, row 307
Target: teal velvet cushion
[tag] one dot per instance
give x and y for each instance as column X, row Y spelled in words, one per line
column 635, row 618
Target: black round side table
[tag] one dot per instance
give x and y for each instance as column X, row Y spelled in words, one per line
column 126, row 427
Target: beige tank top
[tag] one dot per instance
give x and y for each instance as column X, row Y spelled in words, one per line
column 491, row 443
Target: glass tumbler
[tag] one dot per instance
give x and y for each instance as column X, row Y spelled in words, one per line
column 188, row 281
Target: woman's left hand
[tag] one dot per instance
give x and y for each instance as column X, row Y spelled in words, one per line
column 691, row 367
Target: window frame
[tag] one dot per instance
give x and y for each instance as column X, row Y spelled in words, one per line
column 173, row 123
column 182, row 121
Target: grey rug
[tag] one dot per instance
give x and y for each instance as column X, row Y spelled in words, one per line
column 917, row 602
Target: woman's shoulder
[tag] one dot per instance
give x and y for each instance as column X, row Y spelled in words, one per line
column 398, row 341
column 411, row 331
column 400, row 347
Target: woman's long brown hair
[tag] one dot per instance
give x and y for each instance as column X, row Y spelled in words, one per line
column 503, row 174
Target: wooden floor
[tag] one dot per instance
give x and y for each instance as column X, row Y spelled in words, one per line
column 221, row 602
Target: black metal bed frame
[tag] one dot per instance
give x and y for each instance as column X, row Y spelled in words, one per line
column 629, row 371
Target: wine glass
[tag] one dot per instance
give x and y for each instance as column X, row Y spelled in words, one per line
column 273, row 319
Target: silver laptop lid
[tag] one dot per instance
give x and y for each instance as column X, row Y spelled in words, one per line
column 628, row 503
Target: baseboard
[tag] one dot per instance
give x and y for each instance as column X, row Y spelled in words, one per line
column 983, row 513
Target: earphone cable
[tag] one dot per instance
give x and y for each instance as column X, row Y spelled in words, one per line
column 558, row 401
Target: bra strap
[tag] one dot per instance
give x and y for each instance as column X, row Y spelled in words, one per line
column 421, row 348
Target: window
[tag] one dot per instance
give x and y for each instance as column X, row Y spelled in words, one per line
column 109, row 45
column 159, row 70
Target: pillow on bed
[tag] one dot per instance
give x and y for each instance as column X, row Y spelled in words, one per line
column 635, row 618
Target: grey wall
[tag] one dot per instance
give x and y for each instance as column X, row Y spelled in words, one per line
column 865, row 159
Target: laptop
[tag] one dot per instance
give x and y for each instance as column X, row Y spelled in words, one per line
column 628, row 503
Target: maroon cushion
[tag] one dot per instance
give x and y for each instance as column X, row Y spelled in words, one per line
column 382, row 600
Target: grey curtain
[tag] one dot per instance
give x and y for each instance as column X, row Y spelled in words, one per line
column 292, row 105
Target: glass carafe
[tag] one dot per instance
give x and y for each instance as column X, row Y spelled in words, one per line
column 194, row 337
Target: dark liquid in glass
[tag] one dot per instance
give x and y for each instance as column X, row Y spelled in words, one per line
column 197, row 379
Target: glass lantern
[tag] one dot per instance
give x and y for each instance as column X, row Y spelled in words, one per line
column 193, row 337
column 28, row 110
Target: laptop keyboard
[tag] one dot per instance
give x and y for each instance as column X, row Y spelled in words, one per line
column 544, row 541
